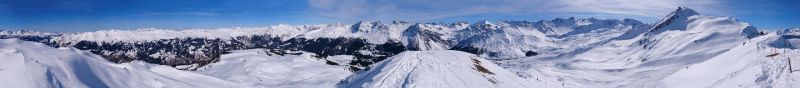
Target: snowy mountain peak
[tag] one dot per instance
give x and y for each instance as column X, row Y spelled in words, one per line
column 23, row 32
column 684, row 11
column 560, row 20
column 460, row 24
column 483, row 22
column 790, row 31
column 399, row 22
column 677, row 20
column 365, row 26
column 632, row 21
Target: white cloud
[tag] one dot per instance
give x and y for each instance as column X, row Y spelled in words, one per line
column 352, row 10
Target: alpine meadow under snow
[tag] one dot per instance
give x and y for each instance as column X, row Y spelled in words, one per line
column 683, row 50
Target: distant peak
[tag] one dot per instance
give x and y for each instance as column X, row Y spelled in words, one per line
column 461, row 23
column 684, row 12
column 484, row 22
column 790, row 30
column 676, row 20
column 363, row 21
column 399, row 22
column 365, row 26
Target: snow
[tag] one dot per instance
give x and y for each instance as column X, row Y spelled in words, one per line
column 427, row 69
column 683, row 50
column 502, row 40
column 155, row 34
column 716, row 68
column 32, row 64
column 254, row 68
column 43, row 66
column 648, row 59
column 790, row 38
column 677, row 20
column 341, row 59
column 376, row 33
column 745, row 66
column 426, row 36
column 24, row 33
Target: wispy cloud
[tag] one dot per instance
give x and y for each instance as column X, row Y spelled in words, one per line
column 350, row 10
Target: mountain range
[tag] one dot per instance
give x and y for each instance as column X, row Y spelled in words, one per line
column 683, row 50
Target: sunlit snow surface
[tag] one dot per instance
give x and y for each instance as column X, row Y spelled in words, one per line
column 34, row 65
column 255, row 68
column 696, row 52
column 433, row 69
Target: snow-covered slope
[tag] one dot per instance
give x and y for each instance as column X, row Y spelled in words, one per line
column 518, row 39
column 260, row 68
column 34, row 65
column 501, row 40
column 683, row 50
column 374, row 32
column 789, row 38
column 683, row 38
column 750, row 65
column 431, row 36
column 369, row 41
column 677, row 20
column 439, row 69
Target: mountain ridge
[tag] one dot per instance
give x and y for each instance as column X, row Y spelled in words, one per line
column 413, row 36
column 709, row 51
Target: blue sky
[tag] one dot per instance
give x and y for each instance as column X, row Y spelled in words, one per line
column 91, row 15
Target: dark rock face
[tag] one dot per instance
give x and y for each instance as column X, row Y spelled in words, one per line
column 365, row 53
column 475, row 50
column 171, row 52
column 531, row 53
column 418, row 37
